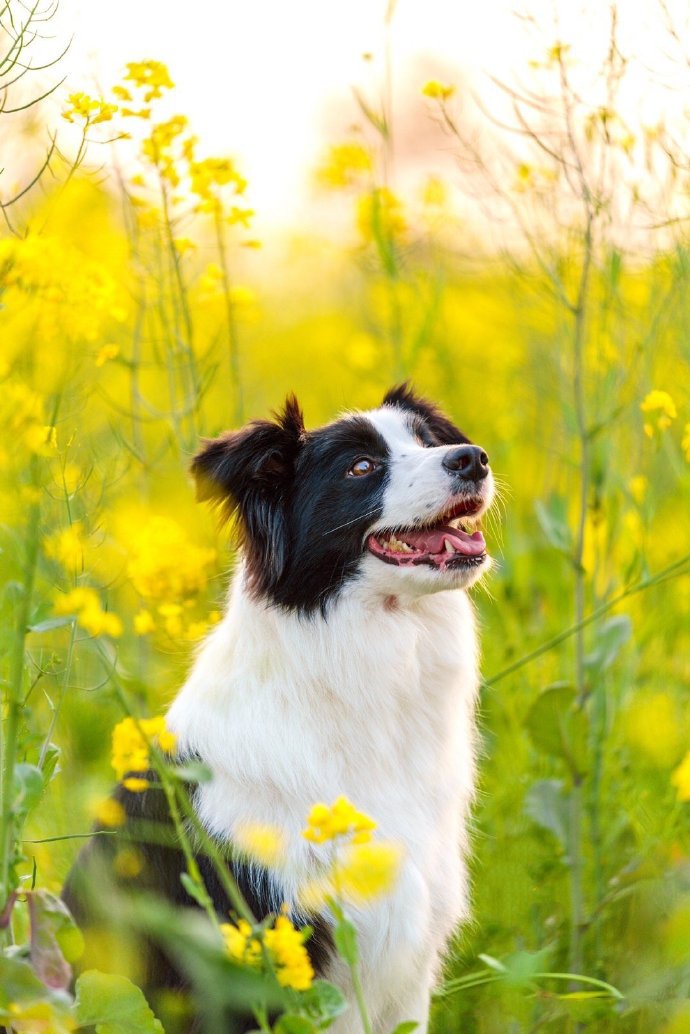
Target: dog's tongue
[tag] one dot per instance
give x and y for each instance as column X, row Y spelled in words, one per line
column 433, row 540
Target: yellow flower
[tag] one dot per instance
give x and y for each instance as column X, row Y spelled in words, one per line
column 110, row 812
column 290, row 956
column 685, row 442
column 40, row 439
column 163, row 564
column 85, row 604
column 437, row 91
column 92, row 110
column 128, row 863
column 651, row 726
column 345, row 166
column 661, row 403
column 339, row 820
column 67, row 547
column 638, row 486
column 212, row 173
column 106, row 353
column 130, row 748
column 681, row 779
column 264, row 844
column 284, row 943
column 358, row 874
column 153, row 76
column 122, row 93
column 380, row 214
column 144, row 623
column 366, row 871
column 183, row 244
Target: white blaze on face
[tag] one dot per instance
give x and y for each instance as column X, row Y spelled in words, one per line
column 419, row 486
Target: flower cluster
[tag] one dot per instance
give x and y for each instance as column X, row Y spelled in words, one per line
column 285, row 947
column 345, row 166
column 437, row 91
column 163, row 564
column 359, row 870
column 91, row 110
column 84, row 603
column 151, row 76
column 340, row 819
column 660, row 410
column 131, row 748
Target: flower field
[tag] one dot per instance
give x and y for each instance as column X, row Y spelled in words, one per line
column 139, row 312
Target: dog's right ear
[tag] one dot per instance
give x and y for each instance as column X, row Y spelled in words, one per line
column 256, row 458
column 249, row 473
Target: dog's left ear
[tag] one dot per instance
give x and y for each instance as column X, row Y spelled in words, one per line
column 443, row 429
column 249, row 474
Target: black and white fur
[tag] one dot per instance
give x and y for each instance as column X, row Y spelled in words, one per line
column 337, row 670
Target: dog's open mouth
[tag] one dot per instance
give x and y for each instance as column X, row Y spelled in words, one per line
column 444, row 544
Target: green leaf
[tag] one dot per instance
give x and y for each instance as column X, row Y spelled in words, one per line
column 553, row 521
column 28, row 788
column 55, row 939
column 612, row 635
column 50, row 623
column 522, row 967
column 193, row 772
column 193, row 889
column 546, row 805
column 406, row 1027
column 322, row 1003
column 19, row 984
column 290, row 1023
column 345, row 937
column 557, row 727
column 114, row 1005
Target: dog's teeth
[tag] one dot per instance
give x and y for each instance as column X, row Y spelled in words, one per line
column 448, row 546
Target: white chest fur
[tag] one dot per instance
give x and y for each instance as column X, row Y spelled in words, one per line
column 375, row 702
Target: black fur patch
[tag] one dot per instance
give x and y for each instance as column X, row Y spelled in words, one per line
column 301, row 518
column 95, row 884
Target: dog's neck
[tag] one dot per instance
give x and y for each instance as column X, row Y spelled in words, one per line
column 373, row 700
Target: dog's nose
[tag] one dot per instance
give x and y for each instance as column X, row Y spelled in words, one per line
column 469, row 462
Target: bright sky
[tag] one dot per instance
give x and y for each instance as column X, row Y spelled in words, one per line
column 270, row 81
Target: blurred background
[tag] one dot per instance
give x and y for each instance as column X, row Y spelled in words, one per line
column 205, row 209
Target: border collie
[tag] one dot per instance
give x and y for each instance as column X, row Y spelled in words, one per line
column 346, row 663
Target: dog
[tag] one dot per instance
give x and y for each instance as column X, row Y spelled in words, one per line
column 346, row 663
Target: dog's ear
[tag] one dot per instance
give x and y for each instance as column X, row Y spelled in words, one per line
column 249, row 474
column 443, row 429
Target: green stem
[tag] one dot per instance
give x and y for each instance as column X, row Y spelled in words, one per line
column 671, row 571
column 8, row 742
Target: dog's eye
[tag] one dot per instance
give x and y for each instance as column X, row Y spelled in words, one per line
column 361, row 467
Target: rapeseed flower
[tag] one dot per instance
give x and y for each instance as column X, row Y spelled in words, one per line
column 85, row 604
column 152, row 76
column 345, row 166
column 261, row 843
column 685, row 442
column 90, row 109
column 110, row 813
column 437, row 91
column 681, row 779
column 340, row 819
column 290, row 957
column 662, row 405
column 67, row 546
column 130, row 748
column 284, row 944
column 163, row 564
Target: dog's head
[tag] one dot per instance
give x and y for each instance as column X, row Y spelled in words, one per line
column 389, row 497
